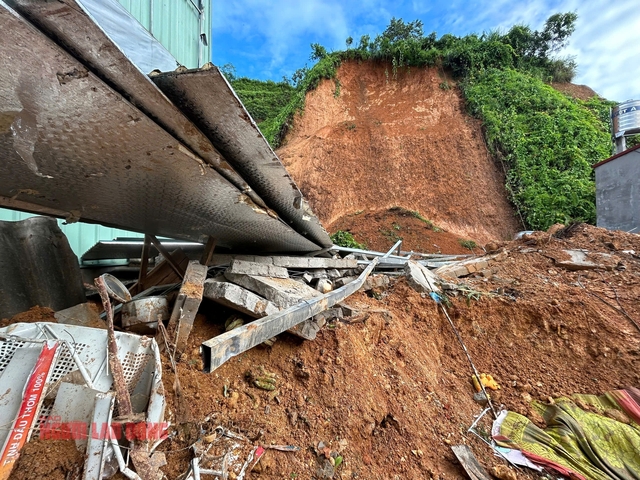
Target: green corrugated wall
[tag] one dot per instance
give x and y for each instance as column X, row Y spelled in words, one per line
column 175, row 24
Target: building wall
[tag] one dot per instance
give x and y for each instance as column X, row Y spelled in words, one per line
column 175, row 24
column 178, row 26
column 618, row 192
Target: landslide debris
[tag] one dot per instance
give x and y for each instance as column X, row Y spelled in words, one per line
column 391, row 392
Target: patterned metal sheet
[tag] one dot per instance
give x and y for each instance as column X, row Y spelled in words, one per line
column 70, row 143
column 210, row 102
column 71, row 25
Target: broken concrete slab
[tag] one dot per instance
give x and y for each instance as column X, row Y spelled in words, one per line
column 464, row 268
column 284, row 292
column 583, row 260
column 238, row 298
column 420, row 278
column 260, row 269
column 297, row 263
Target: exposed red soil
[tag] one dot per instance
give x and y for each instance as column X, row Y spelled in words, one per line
column 381, row 230
column 33, row 315
column 581, row 92
column 392, row 393
column 403, row 141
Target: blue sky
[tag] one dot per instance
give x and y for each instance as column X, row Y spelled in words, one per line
column 267, row 39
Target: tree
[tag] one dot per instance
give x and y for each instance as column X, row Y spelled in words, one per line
column 557, row 30
column 318, row 52
column 229, row 71
column 399, row 30
column 349, row 41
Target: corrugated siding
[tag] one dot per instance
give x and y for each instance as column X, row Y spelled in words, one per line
column 82, row 236
column 175, row 24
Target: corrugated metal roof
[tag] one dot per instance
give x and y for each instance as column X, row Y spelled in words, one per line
column 81, row 150
column 210, row 102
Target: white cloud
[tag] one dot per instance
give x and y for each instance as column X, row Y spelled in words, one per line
column 281, row 25
column 605, row 41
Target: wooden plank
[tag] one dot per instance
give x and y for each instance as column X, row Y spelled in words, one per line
column 470, row 463
column 208, row 251
column 186, row 306
column 163, row 274
column 167, row 256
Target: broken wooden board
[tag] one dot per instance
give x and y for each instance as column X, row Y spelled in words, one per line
column 186, row 306
column 470, row 463
column 162, row 274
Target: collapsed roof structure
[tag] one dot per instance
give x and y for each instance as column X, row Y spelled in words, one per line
column 85, row 134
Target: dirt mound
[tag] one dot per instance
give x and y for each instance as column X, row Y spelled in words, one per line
column 370, row 141
column 391, row 392
column 581, row 92
column 380, row 230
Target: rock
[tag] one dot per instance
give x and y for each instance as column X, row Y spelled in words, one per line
column 375, row 281
column 324, row 285
column 481, row 398
column 503, row 473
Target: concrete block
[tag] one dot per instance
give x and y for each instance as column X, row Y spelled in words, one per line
column 259, row 269
column 420, row 278
column 300, row 263
column 341, row 282
column 283, row 292
column 333, row 273
column 238, row 298
column 329, row 314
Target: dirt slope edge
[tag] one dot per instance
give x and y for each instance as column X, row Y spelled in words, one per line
column 405, row 141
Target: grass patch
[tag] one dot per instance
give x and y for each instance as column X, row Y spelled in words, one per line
column 468, row 244
column 345, row 239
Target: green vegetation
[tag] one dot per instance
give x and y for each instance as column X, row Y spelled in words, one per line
column 468, row 244
column 545, row 140
column 345, row 239
column 418, row 215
